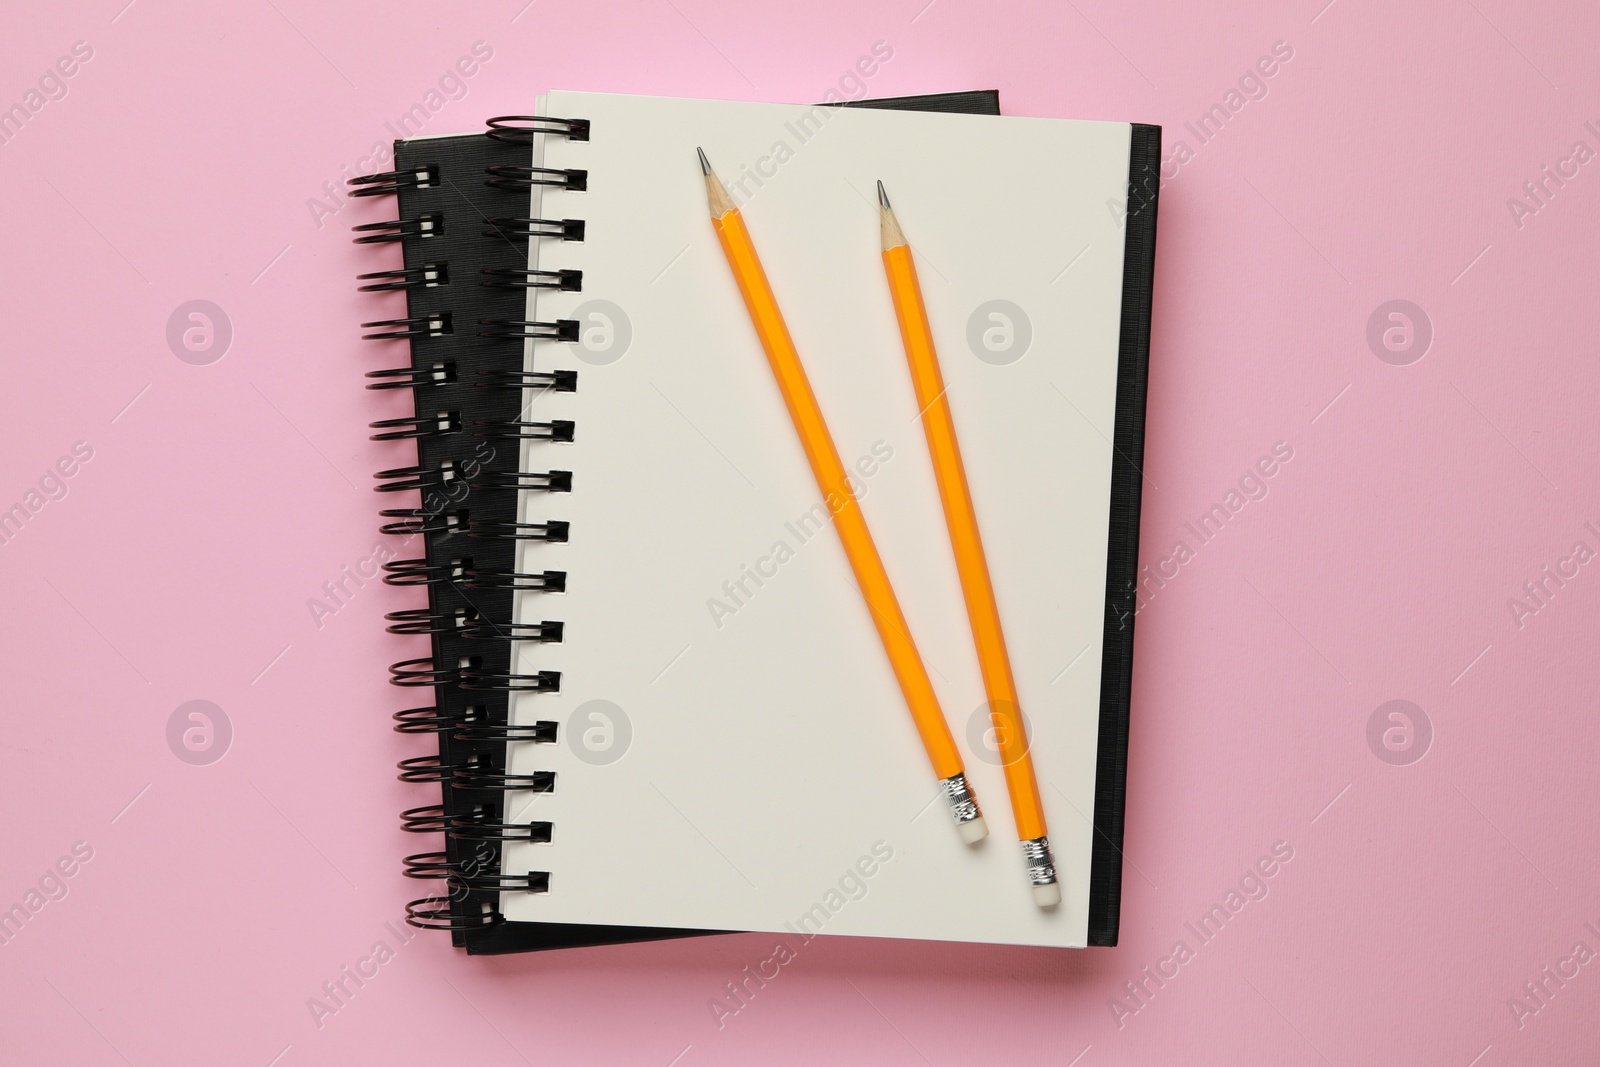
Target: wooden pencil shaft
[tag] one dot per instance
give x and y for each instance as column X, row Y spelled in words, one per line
column 833, row 481
column 961, row 519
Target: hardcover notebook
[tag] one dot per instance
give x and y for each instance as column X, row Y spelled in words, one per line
column 661, row 706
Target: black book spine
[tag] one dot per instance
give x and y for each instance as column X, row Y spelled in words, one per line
column 1122, row 556
column 463, row 227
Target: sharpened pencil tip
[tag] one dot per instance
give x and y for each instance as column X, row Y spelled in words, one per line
column 889, row 230
column 717, row 198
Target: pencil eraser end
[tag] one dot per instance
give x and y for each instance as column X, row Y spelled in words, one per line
column 1047, row 896
column 973, row 830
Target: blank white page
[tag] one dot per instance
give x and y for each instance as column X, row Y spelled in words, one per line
column 764, row 764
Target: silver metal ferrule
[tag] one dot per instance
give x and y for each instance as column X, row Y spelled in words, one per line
column 962, row 805
column 1041, row 864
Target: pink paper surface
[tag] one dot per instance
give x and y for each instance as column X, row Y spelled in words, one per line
column 1379, row 162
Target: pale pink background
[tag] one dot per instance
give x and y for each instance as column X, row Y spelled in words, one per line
column 1419, row 899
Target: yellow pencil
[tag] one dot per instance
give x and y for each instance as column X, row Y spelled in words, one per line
column 983, row 613
column 848, row 519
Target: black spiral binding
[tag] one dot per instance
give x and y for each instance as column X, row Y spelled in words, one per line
column 469, row 417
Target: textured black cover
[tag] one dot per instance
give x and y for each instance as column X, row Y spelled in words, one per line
column 1122, row 557
column 466, row 202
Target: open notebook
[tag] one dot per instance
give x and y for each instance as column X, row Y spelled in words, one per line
column 715, row 741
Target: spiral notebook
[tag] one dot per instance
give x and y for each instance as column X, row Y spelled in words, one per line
column 658, row 703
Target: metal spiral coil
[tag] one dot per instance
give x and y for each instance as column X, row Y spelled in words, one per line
column 547, row 632
column 430, row 768
column 496, row 882
column 469, row 875
column 546, row 381
column 498, row 782
column 420, row 672
column 424, row 572
column 518, row 278
column 480, row 824
column 451, row 916
column 478, row 680
column 516, row 176
column 427, row 276
column 541, row 733
column 555, row 531
column 426, row 621
column 392, row 181
column 560, row 430
column 520, row 129
column 538, row 832
column 428, row 720
column 537, row 581
column 521, row 228
column 457, row 458
column 403, row 479
column 445, row 422
column 429, row 819
column 435, row 325
column 421, row 226
column 414, row 521
column 430, row 865
column 543, row 481
column 442, row 373
column 526, row 329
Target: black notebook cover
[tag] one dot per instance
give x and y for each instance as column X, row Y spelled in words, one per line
column 452, row 223
column 1122, row 552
